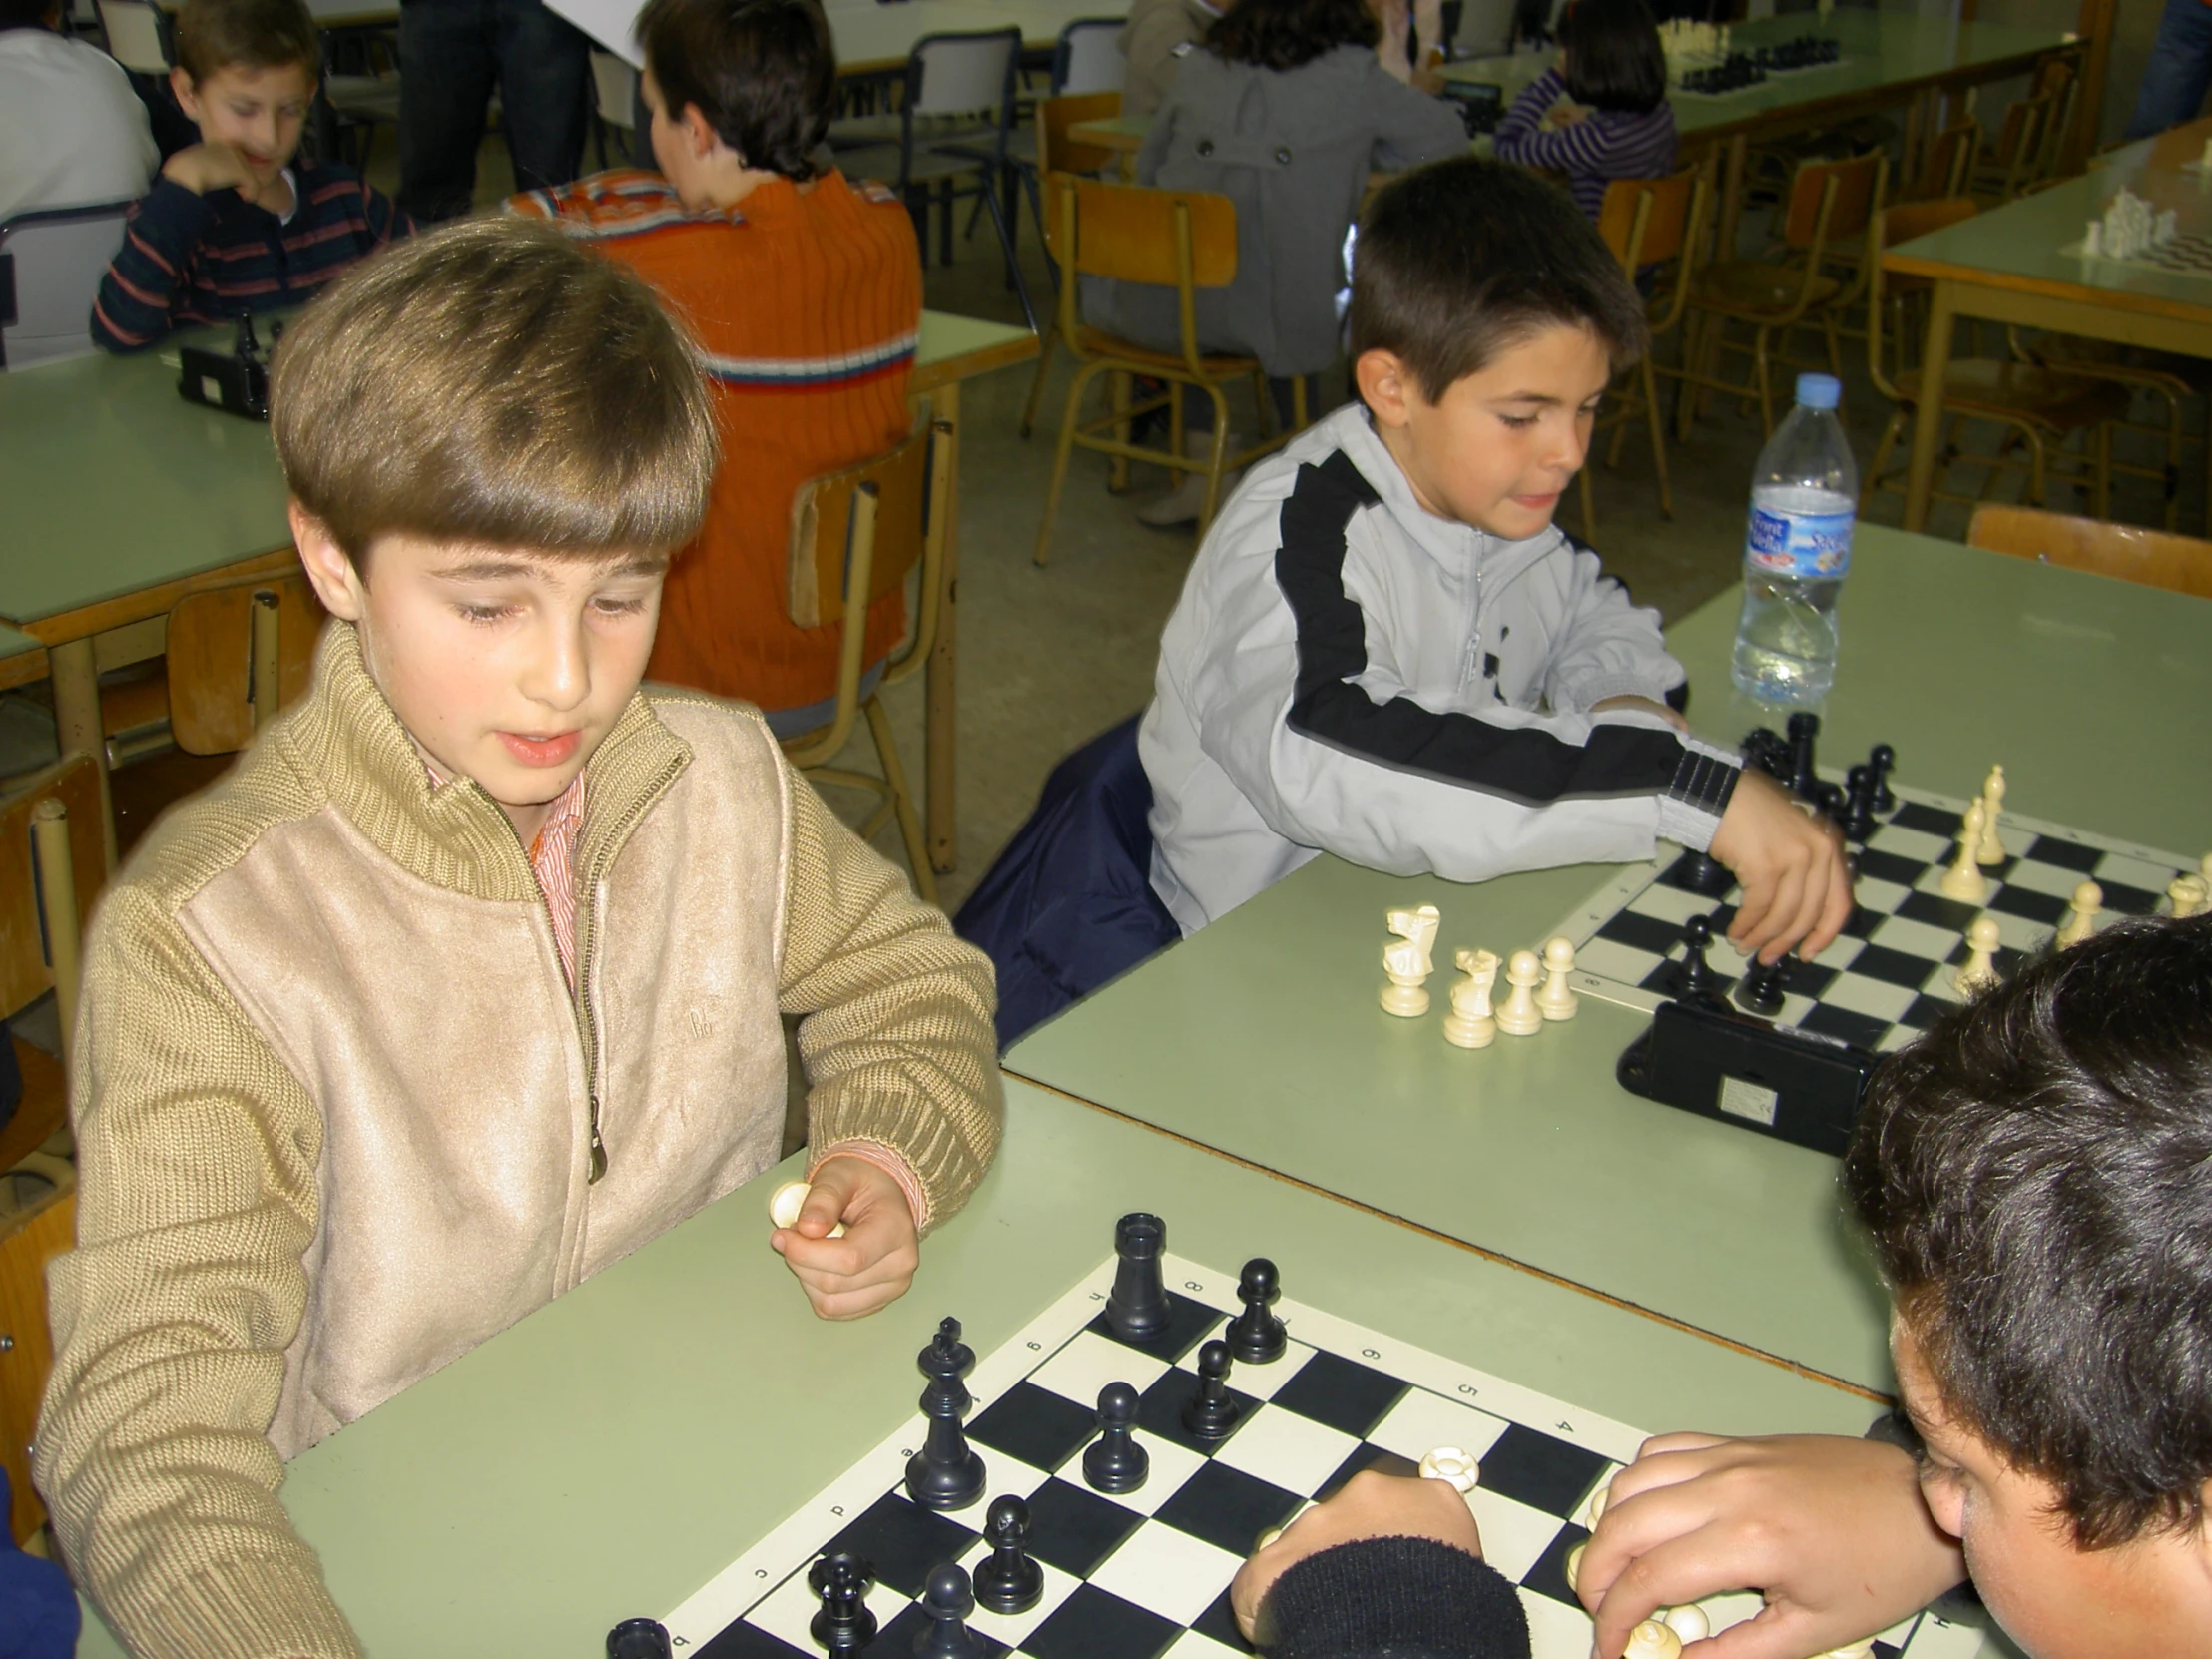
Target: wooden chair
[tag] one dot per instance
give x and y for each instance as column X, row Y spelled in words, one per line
column 28, row 1241
column 2017, row 160
column 1179, row 238
column 1829, row 207
column 1058, row 152
column 236, row 655
column 1657, row 223
column 2039, row 406
column 856, row 535
column 2153, row 558
column 1950, row 162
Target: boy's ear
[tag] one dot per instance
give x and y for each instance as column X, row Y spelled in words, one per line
column 699, row 133
column 337, row 583
column 1386, row 385
column 188, row 98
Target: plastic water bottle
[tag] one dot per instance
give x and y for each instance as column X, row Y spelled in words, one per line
column 1797, row 551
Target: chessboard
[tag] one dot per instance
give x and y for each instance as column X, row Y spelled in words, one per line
column 2185, row 256
column 1147, row 1574
column 1889, row 977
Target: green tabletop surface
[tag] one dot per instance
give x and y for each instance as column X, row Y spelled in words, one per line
column 14, row 644
column 1261, row 1035
column 115, row 483
column 609, row 1455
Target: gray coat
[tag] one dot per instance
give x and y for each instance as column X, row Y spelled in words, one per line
column 1293, row 149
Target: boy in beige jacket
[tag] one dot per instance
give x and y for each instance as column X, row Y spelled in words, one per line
column 468, row 978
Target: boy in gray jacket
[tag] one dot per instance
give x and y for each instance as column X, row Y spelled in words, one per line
column 1386, row 649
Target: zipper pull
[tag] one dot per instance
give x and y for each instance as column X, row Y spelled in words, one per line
column 598, row 1157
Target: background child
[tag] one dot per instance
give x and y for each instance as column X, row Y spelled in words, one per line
column 806, row 294
column 75, row 132
column 235, row 223
column 470, row 976
column 1602, row 114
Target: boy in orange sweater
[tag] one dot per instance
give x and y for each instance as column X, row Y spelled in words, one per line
column 805, row 292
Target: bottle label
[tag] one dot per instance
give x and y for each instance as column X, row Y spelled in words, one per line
column 1799, row 544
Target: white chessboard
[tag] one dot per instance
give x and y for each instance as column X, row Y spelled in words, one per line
column 1888, row 976
column 2186, row 255
column 1147, row 1574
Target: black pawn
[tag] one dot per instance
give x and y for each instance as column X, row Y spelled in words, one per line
column 845, row 1625
column 1694, row 979
column 1210, row 1414
column 1857, row 820
column 1804, row 779
column 1255, row 1335
column 246, row 347
column 1760, row 989
column 1879, row 762
column 1006, row 1580
column 1704, row 874
column 1137, row 1308
column 948, row 1601
column 946, row 1473
column 638, row 1639
column 1769, row 752
column 1114, row 1464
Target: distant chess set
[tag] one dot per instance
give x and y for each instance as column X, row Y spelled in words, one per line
column 1702, row 58
column 2130, row 231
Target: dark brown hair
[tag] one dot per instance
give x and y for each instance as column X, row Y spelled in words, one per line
column 1282, row 34
column 1614, row 59
column 762, row 72
column 494, row 383
column 252, row 34
column 1463, row 258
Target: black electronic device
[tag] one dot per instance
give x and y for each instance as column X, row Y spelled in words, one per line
column 237, row 381
column 1705, row 1057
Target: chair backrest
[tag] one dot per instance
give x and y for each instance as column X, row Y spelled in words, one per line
column 958, row 74
column 52, row 859
column 1057, row 152
column 51, row 263
column 614, row 88
column 1657, row 221
column 1088, row 56
column 1129, row 232
column 2020, row 142
column 1950, row 160
column 238, row 654
column 2154, row 558
column 1902, row 222
column 28, row 1241
column 1815, row 215
column 138, row 35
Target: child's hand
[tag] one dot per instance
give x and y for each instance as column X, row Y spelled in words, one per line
column 200, row 167
column 1370, row 1505
column 874, row 1262
column 1563, row 114
column 1832, row 1530
column 1791, row 864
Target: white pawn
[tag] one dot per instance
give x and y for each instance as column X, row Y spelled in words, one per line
column 1689, row 1621
column 1964, row 881
column 2188, row 894
column 1992, row 849
column 2081, row 918
column 1555, row 1001
column 1471, row 1024
column 1408, row 962
column 1978, row 973
column 1449, row 1464
column 1653, row 1640
column 1521, row 1016
column 788, row 1200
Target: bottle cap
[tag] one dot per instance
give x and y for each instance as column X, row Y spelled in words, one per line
column 1818, row 391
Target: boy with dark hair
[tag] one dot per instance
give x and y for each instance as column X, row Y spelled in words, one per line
column 1386, row 649
column 806, row 294
column 470, row 978
column 235, row 223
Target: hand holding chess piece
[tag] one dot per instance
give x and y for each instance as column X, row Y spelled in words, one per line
column 1410, row 962
column 1472, row 1022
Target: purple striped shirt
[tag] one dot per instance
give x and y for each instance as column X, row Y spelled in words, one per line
column 1605, row 144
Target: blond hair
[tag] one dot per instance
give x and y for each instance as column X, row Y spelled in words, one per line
column 492, row 383
column 254, row 34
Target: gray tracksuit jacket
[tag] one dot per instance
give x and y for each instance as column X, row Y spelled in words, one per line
column 1348, row 673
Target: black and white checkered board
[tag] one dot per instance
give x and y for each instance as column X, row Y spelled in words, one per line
column 2189, row 255
column 1889, row 977
column 1147, row 1574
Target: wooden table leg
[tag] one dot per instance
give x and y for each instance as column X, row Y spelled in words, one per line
column 940, row 699
column 1732, row 199
column 1928, row 417
column 77, row 720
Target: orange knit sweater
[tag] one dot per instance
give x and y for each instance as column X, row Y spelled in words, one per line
column 807, row 304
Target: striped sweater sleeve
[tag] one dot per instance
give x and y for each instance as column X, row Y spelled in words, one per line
column 1598, row 146
column 146, row 286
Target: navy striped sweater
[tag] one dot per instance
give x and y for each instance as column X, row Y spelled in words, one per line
column 1603, row 146
column 188, row 259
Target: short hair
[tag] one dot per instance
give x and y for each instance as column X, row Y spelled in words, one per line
column 496, row 384
column 252, row 34
column 1613, row 57
column 762, row 72
column 1282, row 34
column 27, row 14
column 2035, row 1172
column 1463, row 258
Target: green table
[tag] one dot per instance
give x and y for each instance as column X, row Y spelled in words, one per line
column 22, row 659
column 613, row 1452
column 1260, row 1037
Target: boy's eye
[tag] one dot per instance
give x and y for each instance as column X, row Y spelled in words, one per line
column 610, row 606
column 1518, row 423
column 482, row 613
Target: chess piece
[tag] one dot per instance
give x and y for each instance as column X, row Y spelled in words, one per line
column 1472, row 1022
column 1255, row 1336
column 1598, row 1500
column 1964, row 881
column 948, row 1600
column 1768, row 750
column 2082, row 915
column 1137, row 1308
column 1992, row 849
column 1694, row 979
column 1880, row 760
column 1856, row 820
column 1652, row 1640
column 947, row 1472
column 1689, row 1621
column 1408, row 962
column 1555, row 1001
column 1571, row 1568
column 1978, row 973
column 1804, row 779
column 789, row 1200
column 2188, row 893
column 1759, row 992
column 845, row 1625
column 1114, row 1462
column 2204, row 869
column 1008, row 1580
column 1212, row 1411
column 638, row 1639
column 1449, row 1464
column 1703, row 874
column 1520, row 1017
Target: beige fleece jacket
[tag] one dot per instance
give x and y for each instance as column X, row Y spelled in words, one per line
column 337, row 1107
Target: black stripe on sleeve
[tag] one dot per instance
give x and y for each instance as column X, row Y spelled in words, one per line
column 1522, row 764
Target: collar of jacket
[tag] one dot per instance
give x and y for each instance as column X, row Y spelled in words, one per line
column 1461, row 550
column 345, row 737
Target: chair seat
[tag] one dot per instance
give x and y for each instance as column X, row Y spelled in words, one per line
column 365, row 97
column 2021, row 392
column 927, row 165
column 1096, row 342
column 1752, row 288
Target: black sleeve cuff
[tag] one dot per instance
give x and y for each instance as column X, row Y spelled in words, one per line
column 1392, row 1598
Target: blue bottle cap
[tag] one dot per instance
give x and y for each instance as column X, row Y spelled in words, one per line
column 1818, row 391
